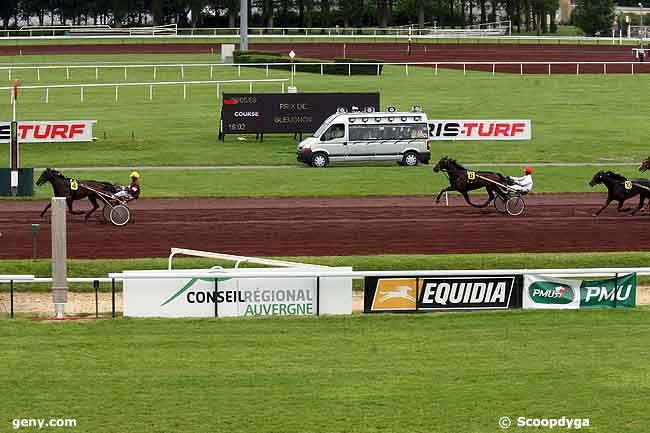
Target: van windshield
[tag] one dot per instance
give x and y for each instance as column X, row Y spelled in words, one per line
column 324, row 126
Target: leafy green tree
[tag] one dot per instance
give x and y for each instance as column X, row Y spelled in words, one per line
column 594, row 16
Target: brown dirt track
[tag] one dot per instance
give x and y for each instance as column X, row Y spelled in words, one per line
column 336, row 226
column 394, row 52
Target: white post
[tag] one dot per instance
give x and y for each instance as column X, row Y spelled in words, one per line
column 250, row 87
column 67, row 73
column 604, row 68
column 38, row 74
column 211, row 71
column 59, row 256
column 82, row 94
column 182, row 72
column 184, row 92
column 578, row 69
column 436, row 73
column 446, row 198
column 47, row 95
column 239, row 70
column 521, row 69
column 549, row 69
column 125, row 78
column 267, row 70
column 9, row 74
column 150, row 93
column 116, row 93
column 96, row 73
column 407, row 69
column 154, row 72
column 464, row 69
column 218, row 91
column 493, row 69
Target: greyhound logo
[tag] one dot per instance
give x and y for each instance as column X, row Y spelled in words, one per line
column 395, row 294
column 401, row 292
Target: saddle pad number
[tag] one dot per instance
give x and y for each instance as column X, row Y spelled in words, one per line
column 628, row 184
column 471, row 175
column 74, row 185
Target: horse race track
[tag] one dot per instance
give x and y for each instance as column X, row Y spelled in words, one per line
column 336, row 226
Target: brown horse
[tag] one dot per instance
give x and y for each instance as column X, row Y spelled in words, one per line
column 62, row 187
column 463, row 180
column 645, row 165
column 618, row 189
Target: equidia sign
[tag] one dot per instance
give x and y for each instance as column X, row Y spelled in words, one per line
column 427, row 293
column 235, row 297
column 49, row 131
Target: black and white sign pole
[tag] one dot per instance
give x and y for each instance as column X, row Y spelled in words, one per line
column 13, row 146
column 243, row 25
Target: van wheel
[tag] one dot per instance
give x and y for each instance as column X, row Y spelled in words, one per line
column 319, row 160
column 410, row 159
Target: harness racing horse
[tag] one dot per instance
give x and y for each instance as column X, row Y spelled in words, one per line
column 63, row 187
column 459, row 180
column 620, row 189
column 645, row 165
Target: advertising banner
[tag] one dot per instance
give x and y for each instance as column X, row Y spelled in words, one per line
column 49, row 131
column 237, row 297
column 553, row 293
column 441, row 130
column 427, row 293
column 261, row 113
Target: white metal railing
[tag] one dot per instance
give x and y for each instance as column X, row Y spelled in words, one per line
column 93, row 30
column 295, row 67
column 152, row 85
column 243, row 273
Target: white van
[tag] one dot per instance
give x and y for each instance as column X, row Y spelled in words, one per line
column 379, row 136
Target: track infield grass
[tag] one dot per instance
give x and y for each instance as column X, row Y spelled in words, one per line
column 446, row 373
column 587, row 118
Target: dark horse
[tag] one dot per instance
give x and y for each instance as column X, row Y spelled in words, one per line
column 618, row 189
column 459, row 180
column 62, row 188
column 645, row 165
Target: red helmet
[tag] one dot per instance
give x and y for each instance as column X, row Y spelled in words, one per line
column 528, row 169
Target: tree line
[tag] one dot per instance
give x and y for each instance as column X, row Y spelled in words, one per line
column 526, row 15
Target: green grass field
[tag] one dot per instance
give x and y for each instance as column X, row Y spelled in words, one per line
column 427, row 373
column 567, row 114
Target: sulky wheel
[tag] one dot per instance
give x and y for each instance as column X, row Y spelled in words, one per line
column 500, row 204
column 120, row 215
column 106, row 211
column 515, row 206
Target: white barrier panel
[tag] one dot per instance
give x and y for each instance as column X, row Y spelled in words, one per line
column 441, row 130
column 49, row 131
column 236, row 297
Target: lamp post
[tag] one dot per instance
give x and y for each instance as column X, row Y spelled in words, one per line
column 292, row 88
column 243, row 25
column 641, row 34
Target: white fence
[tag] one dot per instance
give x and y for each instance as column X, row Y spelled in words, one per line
column 560, row 67
column 218, row 84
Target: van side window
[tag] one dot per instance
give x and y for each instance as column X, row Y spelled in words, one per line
column 388, row 132
column 334, row 132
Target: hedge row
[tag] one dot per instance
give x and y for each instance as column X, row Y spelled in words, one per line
column 338, row 67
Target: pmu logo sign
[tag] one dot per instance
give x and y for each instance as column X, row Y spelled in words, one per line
column 441, row 130
column 439, row 293
column 49, row 131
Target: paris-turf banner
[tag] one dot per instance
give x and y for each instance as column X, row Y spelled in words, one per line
column 49, row 131
column 554, row 293
column 441, row 130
